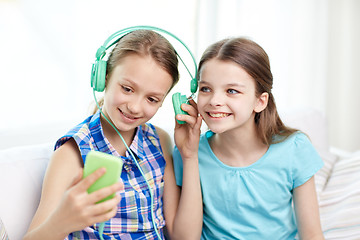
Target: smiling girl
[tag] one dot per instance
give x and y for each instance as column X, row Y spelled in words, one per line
column 256, row 174
column 141, row 70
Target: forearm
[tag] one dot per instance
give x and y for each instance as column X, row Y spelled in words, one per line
column 44, row 231
column 307, row 211
column 189, row 216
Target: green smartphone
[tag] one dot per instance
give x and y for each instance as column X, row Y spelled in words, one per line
column 95, row 160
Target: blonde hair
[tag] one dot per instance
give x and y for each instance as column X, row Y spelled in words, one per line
column 144, row 43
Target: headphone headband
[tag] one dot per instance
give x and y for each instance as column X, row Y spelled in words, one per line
column 98, row 73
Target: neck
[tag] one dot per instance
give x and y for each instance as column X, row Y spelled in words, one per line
column 113, row 137
column 240, row 147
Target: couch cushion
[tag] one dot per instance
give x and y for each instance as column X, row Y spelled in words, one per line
column 340, row 201
column 3, row 234
column 21, row 173
column 323, row 175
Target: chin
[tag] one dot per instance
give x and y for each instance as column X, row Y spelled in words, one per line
column 217, row 130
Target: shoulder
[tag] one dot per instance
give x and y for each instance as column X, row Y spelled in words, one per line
column 295, row 140
column 164, row 137
column 300, row 138
column 69, row 151
column 152, row 131
column 65, row 163
column 299, row 148
column 296, row 147
column 80, row 132
column 305, row 160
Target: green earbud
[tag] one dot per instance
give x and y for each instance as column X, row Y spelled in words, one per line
column 177, row 100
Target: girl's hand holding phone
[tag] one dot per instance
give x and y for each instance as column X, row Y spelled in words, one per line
column 83, row 209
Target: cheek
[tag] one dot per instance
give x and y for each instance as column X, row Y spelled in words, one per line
column 200, row 103
column 243, row 107
column 110, row 96
column 150, row 111
column 118, row 98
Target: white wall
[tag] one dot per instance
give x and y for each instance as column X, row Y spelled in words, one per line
column 47, row 48
column 314, row 53
column 343, row 96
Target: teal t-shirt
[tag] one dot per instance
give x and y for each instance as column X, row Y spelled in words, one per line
column 253, row 202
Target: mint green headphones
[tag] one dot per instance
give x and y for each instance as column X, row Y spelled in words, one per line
column 98, row 72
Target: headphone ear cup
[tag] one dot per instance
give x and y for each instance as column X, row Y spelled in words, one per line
column 193, row 85
column 98, row 76
column 177, row 100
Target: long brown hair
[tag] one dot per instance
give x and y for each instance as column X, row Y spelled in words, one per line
column 144, row 43
column 253, row 59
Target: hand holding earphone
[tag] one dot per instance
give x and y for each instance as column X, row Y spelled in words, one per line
column 187, row 135
column 178, row 100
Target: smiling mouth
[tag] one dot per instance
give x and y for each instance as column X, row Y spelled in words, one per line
column 128, row 116
column 218, row 115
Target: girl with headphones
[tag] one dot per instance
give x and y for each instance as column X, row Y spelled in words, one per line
column 138, row 74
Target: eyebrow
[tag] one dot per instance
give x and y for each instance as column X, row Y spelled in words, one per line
column 236, row 85
column 227, row 85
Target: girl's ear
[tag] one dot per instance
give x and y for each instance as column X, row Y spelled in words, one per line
column 261, row 102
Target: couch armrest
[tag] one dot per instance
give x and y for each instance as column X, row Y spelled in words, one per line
column 21, row 173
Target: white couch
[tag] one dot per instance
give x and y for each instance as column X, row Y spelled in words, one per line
column 338, row 183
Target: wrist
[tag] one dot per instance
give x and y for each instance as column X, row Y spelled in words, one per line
column 44, row 231
column 189, row 155
column 190, row 161
column 57, row 231
column 57, row 226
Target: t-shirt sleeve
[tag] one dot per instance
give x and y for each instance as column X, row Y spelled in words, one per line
column 306, row 160
column 178, row 166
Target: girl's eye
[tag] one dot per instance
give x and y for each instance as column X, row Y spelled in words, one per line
column 126, row 89
column 153, row 100
column 205, row 89
column 232, row 91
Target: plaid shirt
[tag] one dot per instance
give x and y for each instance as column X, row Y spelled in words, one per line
column 133, row 218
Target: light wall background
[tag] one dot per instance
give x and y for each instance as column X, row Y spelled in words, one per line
column 47, row 48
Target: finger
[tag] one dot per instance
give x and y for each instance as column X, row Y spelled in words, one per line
column 106, row 215
column 193, row 103
column 121, row 185
column 105, row 192
column 186, row 118
column 189, row 109
column 106, row 206
column 198, row 122
column 77, row 178
column 85, row 183
column 177, row 125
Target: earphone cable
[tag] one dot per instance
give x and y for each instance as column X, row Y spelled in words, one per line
column 137, row 165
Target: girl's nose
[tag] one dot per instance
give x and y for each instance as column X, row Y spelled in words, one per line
column 134, row 106
column 216, row 99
